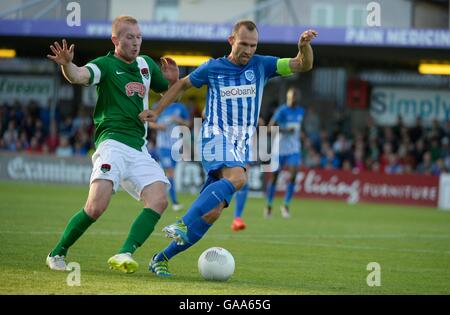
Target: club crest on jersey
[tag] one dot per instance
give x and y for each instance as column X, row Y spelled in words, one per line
column 105, row 168
column 144, row 72
column 135, row 87
column 249, row 75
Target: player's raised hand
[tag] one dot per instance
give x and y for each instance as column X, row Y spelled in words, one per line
column 170, row 69
column 62, row 55
column 147, row 115
column 306, row 37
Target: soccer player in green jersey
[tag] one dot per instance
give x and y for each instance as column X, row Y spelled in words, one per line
column 123, row 79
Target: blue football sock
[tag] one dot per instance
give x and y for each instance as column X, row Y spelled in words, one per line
column 270, row 193
column 210, row 197
column 241, row 198
column 196, row 230
column 289, row 193
column 172, row 191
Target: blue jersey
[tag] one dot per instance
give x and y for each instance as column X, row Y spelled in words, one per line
column 289, row 117
column 164, row 139
column 234, row 95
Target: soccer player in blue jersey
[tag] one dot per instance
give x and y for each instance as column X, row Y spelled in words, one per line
column 235, row 88
column 289, row 119
column 172, row 117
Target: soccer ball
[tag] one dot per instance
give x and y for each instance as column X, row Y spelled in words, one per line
column 216, row 264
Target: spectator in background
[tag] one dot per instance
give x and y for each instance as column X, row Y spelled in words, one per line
column 330, row 161
column 22, row 143
column 405, row 158
column 375, row 166
column 419, row 151
column 324, row 137
column 389, row 136
column 373, row 150
column 358, row 158
column 64, row 149
column 435, row 149
column 78, row 149
column 397, row 129
column 312, row 124
column 445, row 147
column 35, row 146
column 436, row 131
column 29, row 126
column 426, row 166
column 438, row 167
column 373, row 131
column 446, row 129
column 384, row 158
column 341, row 148
column 82, row 121
column 10, row 136
column 393, row 166
column 65, row 127
column 417, row 131
column 347, row 165
column 52, row 139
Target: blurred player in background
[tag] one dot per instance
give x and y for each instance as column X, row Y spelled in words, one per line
column 168, row 121
column 235, row 88
column 288, row 117
column 123, row 79
column 242, row 194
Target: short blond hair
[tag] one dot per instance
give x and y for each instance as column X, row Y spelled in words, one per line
column 121, row 19
column 249, row 25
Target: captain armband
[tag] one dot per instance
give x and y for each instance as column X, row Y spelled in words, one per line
column 283, row 67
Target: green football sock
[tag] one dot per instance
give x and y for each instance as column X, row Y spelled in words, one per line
column 77, row 225
column 141, row 229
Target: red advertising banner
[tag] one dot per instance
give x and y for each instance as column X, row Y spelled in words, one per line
column 365, row 186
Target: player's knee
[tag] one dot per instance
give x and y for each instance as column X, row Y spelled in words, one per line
column 163, row 203
column 94, row 210
column 238, row 180
column 158, row 202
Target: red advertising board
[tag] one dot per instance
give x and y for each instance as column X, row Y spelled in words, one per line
column 365, row 186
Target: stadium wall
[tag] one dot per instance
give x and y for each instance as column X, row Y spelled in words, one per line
column 423, row 190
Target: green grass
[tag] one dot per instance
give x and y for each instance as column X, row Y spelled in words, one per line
column 323, row 249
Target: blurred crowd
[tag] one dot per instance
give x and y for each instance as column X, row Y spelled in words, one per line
column 392, row 150
column 32, row 129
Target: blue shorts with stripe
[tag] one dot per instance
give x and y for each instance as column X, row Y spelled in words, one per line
column 218, row 151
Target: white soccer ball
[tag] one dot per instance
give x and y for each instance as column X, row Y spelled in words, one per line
column 216, row 264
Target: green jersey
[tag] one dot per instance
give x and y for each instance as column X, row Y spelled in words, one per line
column 122, row 90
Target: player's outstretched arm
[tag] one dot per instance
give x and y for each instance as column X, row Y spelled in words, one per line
column 173, row 94
column 304, row 60
column 64, row 56
column 170, row 70
column 156, row 126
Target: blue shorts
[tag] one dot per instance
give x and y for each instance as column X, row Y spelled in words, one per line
column 218, row 152
column 165, row 158
column 290, row 160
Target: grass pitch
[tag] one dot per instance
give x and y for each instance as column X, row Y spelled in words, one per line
column 323, row 249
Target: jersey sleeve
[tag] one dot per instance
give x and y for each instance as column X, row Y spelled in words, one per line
column 98, row 70
column 158, row 83
column 199, row 76
column 278, row 116
column 270, row 66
